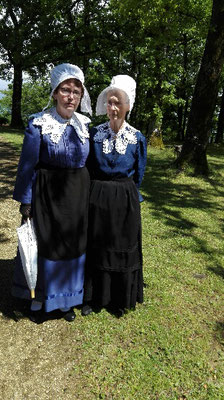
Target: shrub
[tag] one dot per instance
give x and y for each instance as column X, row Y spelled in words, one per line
column 3, row 121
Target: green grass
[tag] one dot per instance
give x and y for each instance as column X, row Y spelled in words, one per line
column 12, row 136
column 172, row 346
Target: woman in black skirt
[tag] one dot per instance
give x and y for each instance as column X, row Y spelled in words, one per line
column 116, row 164
column 52, row 186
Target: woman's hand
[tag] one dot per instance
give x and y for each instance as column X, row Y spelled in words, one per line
column 25, row 210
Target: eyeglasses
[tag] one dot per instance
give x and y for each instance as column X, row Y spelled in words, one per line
column 67, row 92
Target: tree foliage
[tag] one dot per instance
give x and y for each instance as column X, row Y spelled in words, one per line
column 35, row 95
column 159, row 43
column 28, row 33
column 205, row 94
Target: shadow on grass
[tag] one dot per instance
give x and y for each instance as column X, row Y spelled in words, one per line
column 10, row 307
column 168, row 197
column 220, row 332
column 8, row 167
column 219, row 270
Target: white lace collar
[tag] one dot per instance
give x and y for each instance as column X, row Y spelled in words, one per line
column 111, row 140
column 54, row 125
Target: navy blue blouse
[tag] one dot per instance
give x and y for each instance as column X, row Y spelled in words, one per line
column 107, row 162
column 68, row 152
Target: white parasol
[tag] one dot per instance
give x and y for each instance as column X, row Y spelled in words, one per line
column 27, row 243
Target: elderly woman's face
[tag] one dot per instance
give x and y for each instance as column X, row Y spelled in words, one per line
column 68, row 95
column 117, row 104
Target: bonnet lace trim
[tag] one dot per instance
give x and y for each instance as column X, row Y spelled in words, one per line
column 126, row 135
column 54, row 125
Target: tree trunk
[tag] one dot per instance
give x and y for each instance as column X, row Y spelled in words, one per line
column 180, row 133
column 16, row 120
column 205, row 94
column 182, row 118
column 185, row 117
column 220, row 127
column 182, row 110
column 86, row 21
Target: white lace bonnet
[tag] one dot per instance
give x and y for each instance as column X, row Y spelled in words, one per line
column 65, row 71
column 122, row 82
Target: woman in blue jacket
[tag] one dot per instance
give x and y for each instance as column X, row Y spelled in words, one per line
column 52, row 185
column 116, row 164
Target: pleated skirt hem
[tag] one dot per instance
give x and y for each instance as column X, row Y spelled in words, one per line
column 117, row 289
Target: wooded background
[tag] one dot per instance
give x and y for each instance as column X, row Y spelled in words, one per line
column 173, row 49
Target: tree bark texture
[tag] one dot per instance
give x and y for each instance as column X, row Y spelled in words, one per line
column 16, row 119
column 205, row 94
column 220, row 127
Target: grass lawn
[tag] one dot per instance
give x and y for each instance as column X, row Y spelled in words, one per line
column 172, row 346
column 13, row 136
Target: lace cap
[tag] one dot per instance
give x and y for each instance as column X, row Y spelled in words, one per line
column 122, row 82
column 65, row 71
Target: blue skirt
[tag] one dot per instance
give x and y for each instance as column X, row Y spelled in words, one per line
column 59, row 283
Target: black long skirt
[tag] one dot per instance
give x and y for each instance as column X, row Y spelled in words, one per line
column 114, row 252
